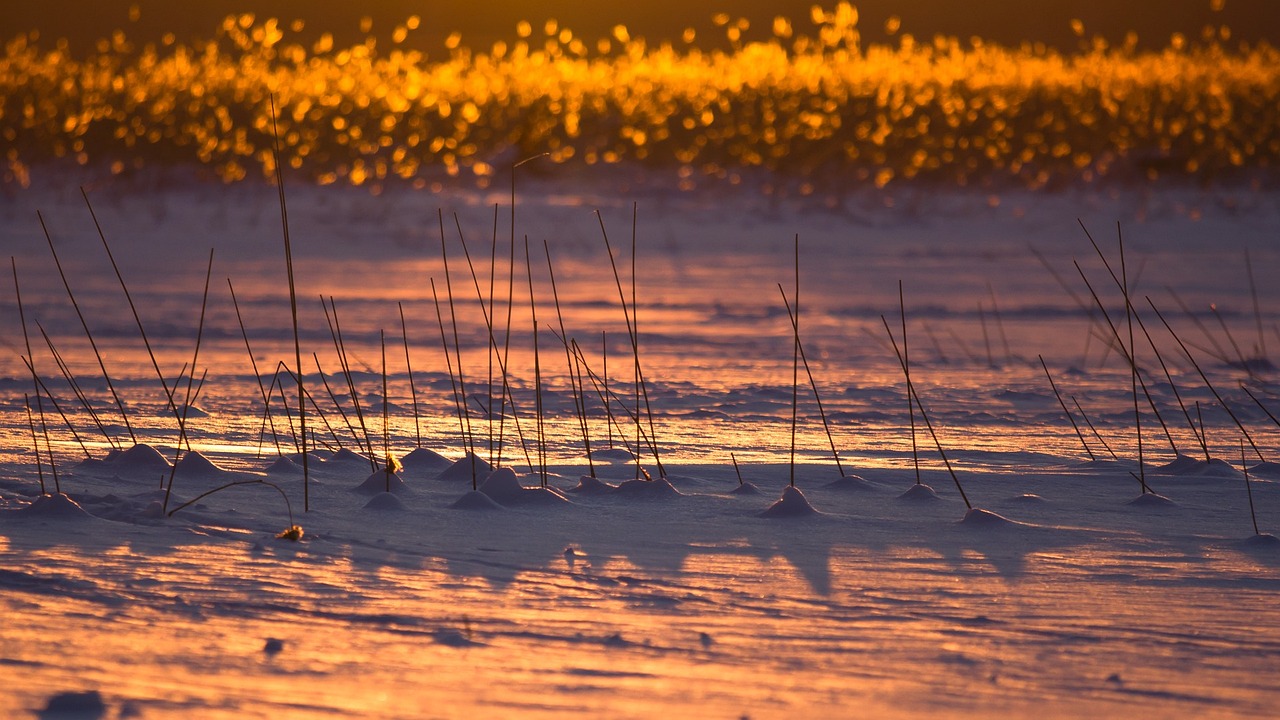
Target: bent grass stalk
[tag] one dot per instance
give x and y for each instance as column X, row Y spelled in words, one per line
column 58, row 407
column 266, row 402
column 812, row 382
column 911, row 388
column 386, row 424
column 186, row 405
column 1204, row 446
column 622, row 403
column 631, row 332
column 1205, row 378
column 83, row 323
column 413, row 389
column 1065, row 411
column 1096, row 434
column 293, row 532
column 487, row 407
column 601, row 387
column 453, row 380
column 74, row 384
column 340, row 344
column 75, row 389
column 906, row 357
column 35, row 444
column 468, row 439
column 575, row 389
column 1134, row 375
column 537, row 372
column 1248, row 486
column 133, row 308
column 795, row 366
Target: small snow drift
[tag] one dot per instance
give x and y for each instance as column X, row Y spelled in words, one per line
column 380, row 481
column 55, row 507
column 384, row 501
column 475, row 500
column 1152, row 500
column 850, row 482
column 588, row 485
column 1027, row 499
column 139, row 458
column 196, row 465
column 1262, row 540
column 1187, row 466
column 85, row 705
column 504, row 488
column 1266, row 469
column 189, row 412
column 746, row 488
column 348, row 457
column 284, row 466
column 465, row 469
column 979, row 518
column 919, row 491
column 659, row 488
column 792, row 504
column 613, row 455
column 424, row 459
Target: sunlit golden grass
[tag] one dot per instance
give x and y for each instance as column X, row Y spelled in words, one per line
column 814, row 107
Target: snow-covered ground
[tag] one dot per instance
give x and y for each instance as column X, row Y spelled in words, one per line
column 1082, row 595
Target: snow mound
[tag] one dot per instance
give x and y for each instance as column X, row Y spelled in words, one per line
column 613, row 455
column 850, row 482
column 1027, row 499
column 284, row 466
column 378, row 482
column 1187, row 466
column 475, row 500
column 746, row 488
column 1266, row 469
column 979, row 518
column 505, row 489
column 424, row 459
column 588, row 485
column 462, row 470
column 347, row 456
column 660, row 488
column 139, row 458
column 384, row 501
column 1263, row 540
column 792, row 504
column 1152, row 500
column 189, row 412
column 55, row 507
column 919, row 491
column 194, row 464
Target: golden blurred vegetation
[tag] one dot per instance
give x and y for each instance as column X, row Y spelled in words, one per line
column 812, row 106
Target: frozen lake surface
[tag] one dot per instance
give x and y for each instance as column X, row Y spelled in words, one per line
column 1079, row 594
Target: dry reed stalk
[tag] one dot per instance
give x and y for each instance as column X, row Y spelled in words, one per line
column 83, row 323
column 413, row 389
column 912, row 389
column 812, row 382
column 262, row 390
column 1067, row 412
column 293, row 306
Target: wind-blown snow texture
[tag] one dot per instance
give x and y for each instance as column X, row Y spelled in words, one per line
column 1059, row 596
